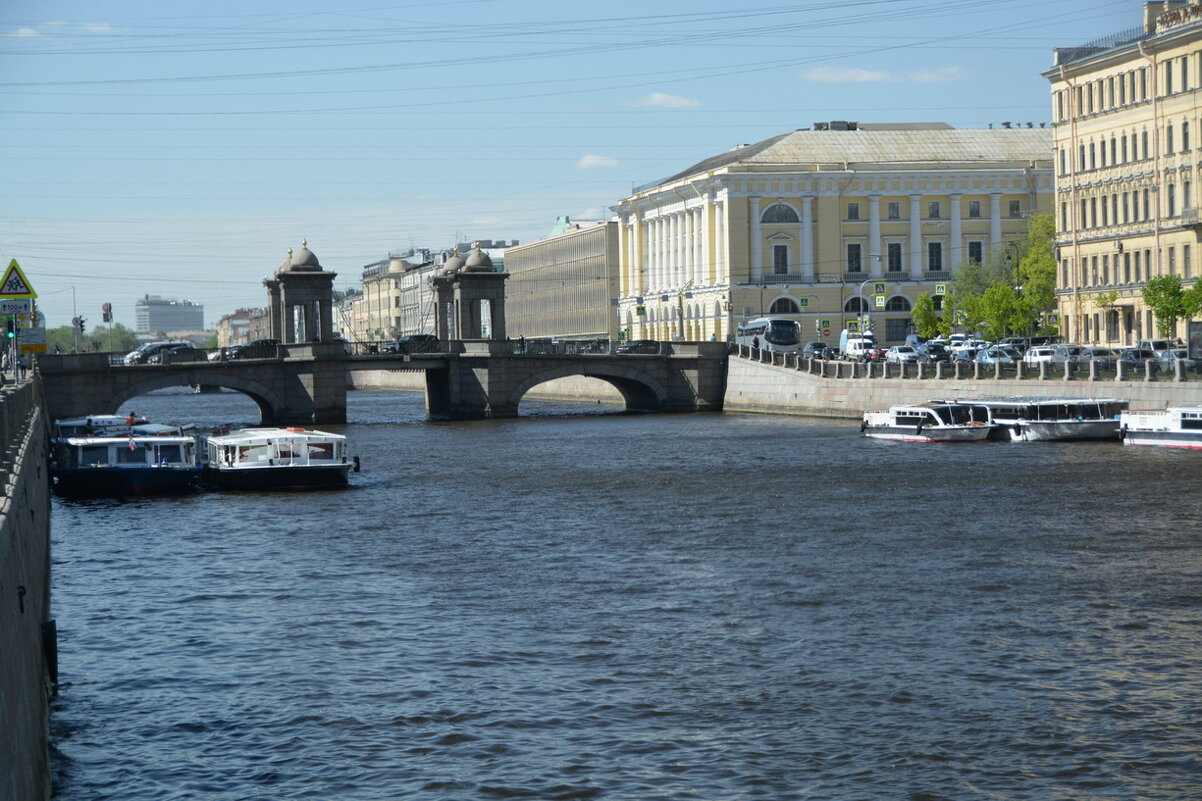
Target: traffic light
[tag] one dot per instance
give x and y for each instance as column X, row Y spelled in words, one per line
column 107, row 312
column 10, row 327
column 82, row 320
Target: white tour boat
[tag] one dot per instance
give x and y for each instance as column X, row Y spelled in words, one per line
column 937, row 421
column 276, row 458
column 1045, row 419
column 1175, row 427
column 136, row 464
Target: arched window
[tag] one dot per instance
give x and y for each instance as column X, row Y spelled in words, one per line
column 784, row 306
column 897, row 303
column 779, row 213
column 853, row 305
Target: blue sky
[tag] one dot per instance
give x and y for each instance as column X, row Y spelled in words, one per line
column 181, row 149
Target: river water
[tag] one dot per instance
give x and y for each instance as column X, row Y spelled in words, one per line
column 600, row 606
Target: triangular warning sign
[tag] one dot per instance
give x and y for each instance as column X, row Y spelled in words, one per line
column 15, row 284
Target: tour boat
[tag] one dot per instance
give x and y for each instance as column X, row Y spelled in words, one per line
column 1175, row 427
column 1045, row 419
column 112, row 425
column 937, row 421
column 136, row 464
column 276, row 458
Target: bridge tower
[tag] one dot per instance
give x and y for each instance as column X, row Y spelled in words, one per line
column 300, row 299
column 469, row 298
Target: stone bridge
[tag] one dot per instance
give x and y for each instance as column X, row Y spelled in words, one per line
column 469, row 380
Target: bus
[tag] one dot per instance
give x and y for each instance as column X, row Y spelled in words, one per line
column 777, row 334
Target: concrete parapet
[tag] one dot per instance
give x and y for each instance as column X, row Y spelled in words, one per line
column 27, row 667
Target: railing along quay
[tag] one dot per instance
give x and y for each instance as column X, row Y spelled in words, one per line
column 959, row 371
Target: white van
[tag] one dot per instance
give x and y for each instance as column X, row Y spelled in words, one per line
column 856, row 347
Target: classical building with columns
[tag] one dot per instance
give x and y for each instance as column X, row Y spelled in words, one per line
column 1126, row 114
column 806, row 225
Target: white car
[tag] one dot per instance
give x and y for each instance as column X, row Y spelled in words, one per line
column 901, row 354
column 1168, row 358
column 972, row 345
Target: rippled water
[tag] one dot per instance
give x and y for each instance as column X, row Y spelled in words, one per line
column 640, row 607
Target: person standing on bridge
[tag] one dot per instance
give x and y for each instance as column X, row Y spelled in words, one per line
column 22, row 366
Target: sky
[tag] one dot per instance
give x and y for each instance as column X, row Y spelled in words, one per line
column 181, row 149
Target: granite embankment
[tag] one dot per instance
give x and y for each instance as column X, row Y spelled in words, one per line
column 798, row 388
column 27, row 662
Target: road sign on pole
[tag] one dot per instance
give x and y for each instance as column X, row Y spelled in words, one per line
column 14, row 284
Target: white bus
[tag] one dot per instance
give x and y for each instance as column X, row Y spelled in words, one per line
column 778, row 334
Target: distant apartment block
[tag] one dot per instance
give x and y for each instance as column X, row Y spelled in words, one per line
column 154, row 313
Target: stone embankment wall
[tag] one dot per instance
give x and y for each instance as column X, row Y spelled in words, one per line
column 26, row 629
column 798, row 387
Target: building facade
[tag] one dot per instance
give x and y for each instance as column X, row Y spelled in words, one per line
column 236, row 327
column 153, row 313
column 811, row 224
column 565, row 285
column 1126, row 117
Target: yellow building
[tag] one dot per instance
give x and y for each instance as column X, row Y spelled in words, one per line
column 810, row 223
column 1125, row 118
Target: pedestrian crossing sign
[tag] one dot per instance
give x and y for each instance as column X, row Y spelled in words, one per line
column 15, row 284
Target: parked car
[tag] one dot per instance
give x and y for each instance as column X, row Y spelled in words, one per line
column 1105, row 357
column 255, row 349
column 177, row 352
column 998, row 354
column 1135, row 357
column 1159, row 346
column 143, row 353
column 644, row 346
column 934, row 351
column 816, row 350
column 901, row 354
column 972, row 345
column 1039, row 353
column 413, row 343
column 1170, row 358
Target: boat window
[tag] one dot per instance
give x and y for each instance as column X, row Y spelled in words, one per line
column 169, row 453
column 134, row 455
column 94, row 454
column 253, row 453
column 321, row 450
column 943, row 413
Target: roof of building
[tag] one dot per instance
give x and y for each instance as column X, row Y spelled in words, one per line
column 301, row 261
column 883, row 144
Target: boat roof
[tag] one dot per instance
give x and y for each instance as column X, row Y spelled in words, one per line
column 141, row 439
column 245, row 435
column 1039, row 401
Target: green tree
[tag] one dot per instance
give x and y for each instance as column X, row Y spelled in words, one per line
column 1036, row 272
column 116, row 338
column 927, row 320
column 1165, row 297
column 998, row 308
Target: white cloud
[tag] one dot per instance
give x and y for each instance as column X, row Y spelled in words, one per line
column 98, row 27
column 591, row 161
column 662, row 100
column 860, row 75
column 23, row 33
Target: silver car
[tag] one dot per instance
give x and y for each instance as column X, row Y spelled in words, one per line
column 1169, row 358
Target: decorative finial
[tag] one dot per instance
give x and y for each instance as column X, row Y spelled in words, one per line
column 304, row 243
column 289, row 252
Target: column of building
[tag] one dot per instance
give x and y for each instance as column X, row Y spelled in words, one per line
column 916, row 256
column 995, row 220
column 807, row 237
column 757, row 242
column 874, row 235
column 957, row 233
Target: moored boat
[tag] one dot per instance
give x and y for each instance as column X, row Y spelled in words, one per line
column 124, row 465
column 1047, row 419
column 276, row 458
column 937, row 421
column 1175, row 427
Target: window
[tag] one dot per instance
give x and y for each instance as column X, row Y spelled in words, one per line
column 1143, row 138
column 1185, row 137
column 784, row 306
column 1168, row 140
column 1147, row 207
column 935, row 256
column 1127, row 268
column 1093, row 212
column 898, row 303
column 854, row 252
column 1172, row 200
column 1137, row 270
column 974, row 208
column 1114, row 150
column 1105, row 268
column 893, row 256
column 1172, row 261
column 1016, row 208
column 1093, row 156
column 1187, row 267
column 1062, row 162
column 1080, row 158
column 1126, row 209
column 1168, row 77
column 1064, row 215
column 897, row 329
column 1187, row 195
column 933, row 209
column 1123, row 142
column 894, row 210
column 1105, row 215
column 853, row 306
column 780, row 259
column 779, row 213
column 853, row 211
column 976, row 251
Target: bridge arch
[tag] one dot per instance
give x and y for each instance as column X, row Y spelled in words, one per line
column 641, row 391
column 270, row 404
